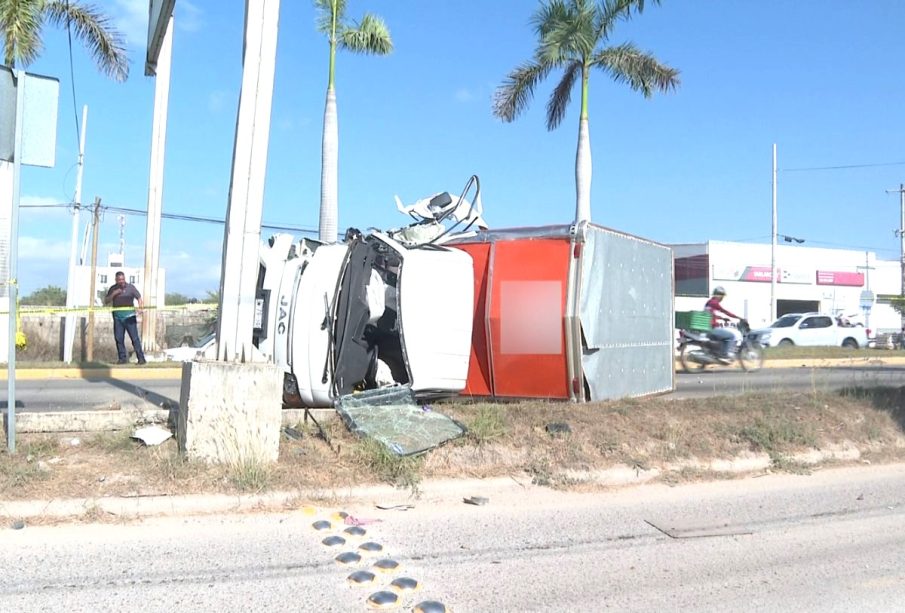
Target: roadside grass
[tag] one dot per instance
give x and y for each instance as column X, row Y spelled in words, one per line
column 680, row 438
column 794, row 352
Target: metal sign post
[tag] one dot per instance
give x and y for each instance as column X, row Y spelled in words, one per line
column 33, row 129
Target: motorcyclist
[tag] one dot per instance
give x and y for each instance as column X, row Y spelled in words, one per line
column 719, row 333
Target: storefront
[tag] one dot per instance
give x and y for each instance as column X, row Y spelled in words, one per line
column 834, row 281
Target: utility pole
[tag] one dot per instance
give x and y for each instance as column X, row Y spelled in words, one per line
column 773, row 247
column 901, row 232
column 73, row 247
column 92, row 291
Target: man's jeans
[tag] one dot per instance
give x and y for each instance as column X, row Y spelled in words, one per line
column 120, row 327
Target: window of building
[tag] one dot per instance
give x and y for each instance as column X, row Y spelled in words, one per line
column 131, row 278
column 103, row 278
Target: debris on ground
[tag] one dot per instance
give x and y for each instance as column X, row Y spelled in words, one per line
column 479, row 501
column 152, row 435
column 392, row 417
column 558, row 427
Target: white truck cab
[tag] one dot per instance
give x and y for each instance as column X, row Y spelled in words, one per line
column 366, row 313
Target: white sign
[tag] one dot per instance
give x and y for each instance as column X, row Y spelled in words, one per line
column 867, row 299
column 39, row 124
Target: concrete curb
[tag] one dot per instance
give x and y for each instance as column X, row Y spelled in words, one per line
column 134, row 373
column 129, row 417
column 138, row 507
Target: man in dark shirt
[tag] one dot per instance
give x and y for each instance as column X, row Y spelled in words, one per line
column 123, row 296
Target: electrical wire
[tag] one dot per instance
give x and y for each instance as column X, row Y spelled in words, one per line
column 844, row 167
column 75, row 112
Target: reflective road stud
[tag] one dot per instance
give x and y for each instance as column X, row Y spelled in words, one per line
column 348, row 557
column 430, row 606
column 334, row 541
column 404, row 585
column 355, row 531
column 371, row 547
column 383, row 600
column 361, row 577
column 322, row 525
column 386, row 565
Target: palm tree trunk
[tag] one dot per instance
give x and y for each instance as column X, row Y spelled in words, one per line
column 583, row 173
column 329, row 163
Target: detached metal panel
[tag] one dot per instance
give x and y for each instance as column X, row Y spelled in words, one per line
column 626, row 312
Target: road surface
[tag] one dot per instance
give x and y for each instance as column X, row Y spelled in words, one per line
column 831, row 541
column 86, row 394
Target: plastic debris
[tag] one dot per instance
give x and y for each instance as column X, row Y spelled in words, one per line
column 558, row 427
column 17, row 525
column 476, row 500
column 152, row 435
column 292, row 433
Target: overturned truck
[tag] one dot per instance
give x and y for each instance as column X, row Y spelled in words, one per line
column 447, row 306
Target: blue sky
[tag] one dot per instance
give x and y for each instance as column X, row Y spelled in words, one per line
column 821, row 78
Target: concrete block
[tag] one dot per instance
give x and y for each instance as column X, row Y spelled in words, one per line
column 230, row 413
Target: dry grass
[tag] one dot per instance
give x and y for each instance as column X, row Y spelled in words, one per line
column 503, row 440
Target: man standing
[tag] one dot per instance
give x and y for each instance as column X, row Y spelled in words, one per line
column 122, row 296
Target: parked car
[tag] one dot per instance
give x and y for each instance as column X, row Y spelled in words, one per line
column 811, row 329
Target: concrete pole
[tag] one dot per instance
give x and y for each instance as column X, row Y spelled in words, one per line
column 72, row 283
column 773, row 247
column 242, row 236
column 902, row 232
column 155, row 193
column 92, row 286
column 13, row 254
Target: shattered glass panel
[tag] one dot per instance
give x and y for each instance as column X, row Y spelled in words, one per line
column 391, row 416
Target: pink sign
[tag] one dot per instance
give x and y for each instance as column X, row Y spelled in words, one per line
column 848, row 279
column 756, row 273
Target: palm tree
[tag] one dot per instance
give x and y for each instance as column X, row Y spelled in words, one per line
column 572, row 35
column 21, row 22
column 371, row 36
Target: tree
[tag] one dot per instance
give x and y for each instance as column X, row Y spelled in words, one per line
column 370, row 36
column 572, row 35
column 46, row 296
column 175, row 298
column 21, row 23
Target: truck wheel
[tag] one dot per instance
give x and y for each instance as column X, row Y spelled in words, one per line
column 850, row 343
column 786, row 342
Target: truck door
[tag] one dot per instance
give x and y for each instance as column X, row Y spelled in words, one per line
column 817, row 330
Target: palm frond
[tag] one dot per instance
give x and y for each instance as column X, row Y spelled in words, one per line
column 325, row 15
column 371, row 35
column 548, row 16
column 569, row 34
column 559, row 99
column 96, row 32
column 613, row 11
column 20, row 26
column 513, row 96
column 638, row 69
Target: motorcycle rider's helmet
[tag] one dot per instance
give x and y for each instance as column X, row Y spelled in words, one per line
column 719, row 290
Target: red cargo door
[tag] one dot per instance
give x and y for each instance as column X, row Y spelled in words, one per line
column 527, row 280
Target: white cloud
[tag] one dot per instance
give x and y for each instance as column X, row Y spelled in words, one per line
column 36, row 248
column 464, row 95
column 131, row 19
column 217, row 99
column 189, row 17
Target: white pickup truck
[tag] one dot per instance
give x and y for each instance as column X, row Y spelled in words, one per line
column 811, row 329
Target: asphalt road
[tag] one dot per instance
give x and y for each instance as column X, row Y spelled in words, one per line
column 85, row 394
column 831, row 541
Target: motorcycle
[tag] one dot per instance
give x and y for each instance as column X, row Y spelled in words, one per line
column 697, row 350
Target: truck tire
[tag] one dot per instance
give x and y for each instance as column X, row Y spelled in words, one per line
column 850, row 343
column 786, row 342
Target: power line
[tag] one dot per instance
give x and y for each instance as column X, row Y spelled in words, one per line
column 176, row 217
column 844, row 167
column 72, row 75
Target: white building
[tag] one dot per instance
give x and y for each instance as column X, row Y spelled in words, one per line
column 833, row 281
column 105, row 277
